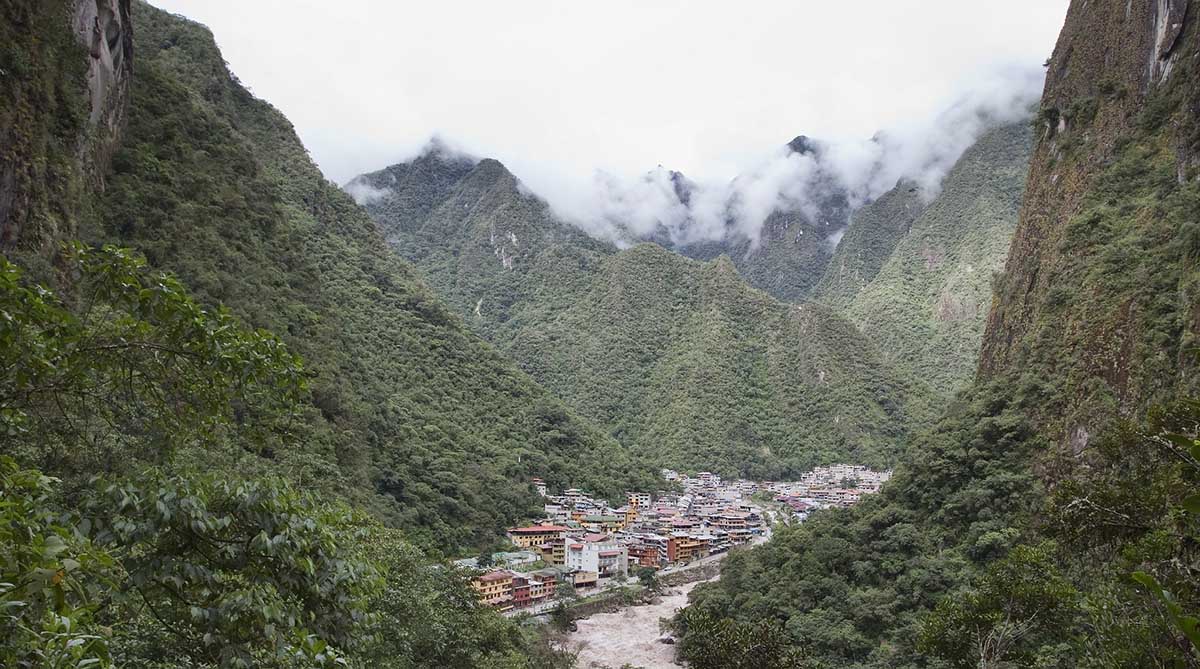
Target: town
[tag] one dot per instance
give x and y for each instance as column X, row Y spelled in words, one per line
column 583, row 545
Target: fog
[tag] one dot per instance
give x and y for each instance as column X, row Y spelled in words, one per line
column 583, row 99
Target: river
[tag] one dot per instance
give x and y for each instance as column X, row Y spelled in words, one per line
column 629, row 636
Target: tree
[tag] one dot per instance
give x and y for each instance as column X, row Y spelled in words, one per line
column 709, row 642
column 52, row 579
column 234, row 573
column 215, row 569
column 560, row 617
column 132, row 370
column 648, row 577
column 1019, row 604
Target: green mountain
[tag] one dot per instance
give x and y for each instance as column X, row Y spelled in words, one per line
column 410, row 414
column 916, row 279
column 180, row 489
column 869, row 241
column 1053, row 506
column 678, row 359
column 793, row 248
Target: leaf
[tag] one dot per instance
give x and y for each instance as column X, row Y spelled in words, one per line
column 1192, row 503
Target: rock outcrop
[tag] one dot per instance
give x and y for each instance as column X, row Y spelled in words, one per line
column 70, row 69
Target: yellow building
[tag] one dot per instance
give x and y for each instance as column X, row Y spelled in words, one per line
column 495, row 589
column 535, row 536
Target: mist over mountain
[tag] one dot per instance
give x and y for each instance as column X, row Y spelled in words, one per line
column 249, row 418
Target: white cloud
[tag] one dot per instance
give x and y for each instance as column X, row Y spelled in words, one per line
column 921, row 151
column 559, row 91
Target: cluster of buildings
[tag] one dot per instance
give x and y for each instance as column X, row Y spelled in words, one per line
column 823, row 487
column 583, row 541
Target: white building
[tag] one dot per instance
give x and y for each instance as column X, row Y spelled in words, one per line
column 599, row 553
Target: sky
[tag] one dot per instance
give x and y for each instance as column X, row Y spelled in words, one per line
column 581, row 98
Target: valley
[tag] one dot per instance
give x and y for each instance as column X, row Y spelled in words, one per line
column 452, row 416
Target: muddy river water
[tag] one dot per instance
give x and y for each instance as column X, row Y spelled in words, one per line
column 629, row 636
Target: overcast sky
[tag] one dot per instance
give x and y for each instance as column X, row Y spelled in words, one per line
column 557, row 89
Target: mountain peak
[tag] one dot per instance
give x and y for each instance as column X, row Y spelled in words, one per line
column 804, row 146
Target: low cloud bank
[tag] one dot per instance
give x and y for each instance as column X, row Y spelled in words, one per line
column 800, row 176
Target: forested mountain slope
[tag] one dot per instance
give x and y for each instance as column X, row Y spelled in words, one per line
column 193, row 504
column 926, row 303
column 793, row 247
column 1014, row 531
column 410, row 413
column 680, row 359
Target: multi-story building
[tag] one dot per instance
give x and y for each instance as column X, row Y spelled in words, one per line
column 685, row 548
column 495, row 588
column 540, row 486
column 599, row 553
column 639, row 500
column 644, row 555
column 535, row 536
column 584, row 580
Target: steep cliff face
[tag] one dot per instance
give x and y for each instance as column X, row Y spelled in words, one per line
column 868, row 242
column 1101, row 285
column 65, row 73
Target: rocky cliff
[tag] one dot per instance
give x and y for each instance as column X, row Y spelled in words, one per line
column 66, row 68
column 1100, row 284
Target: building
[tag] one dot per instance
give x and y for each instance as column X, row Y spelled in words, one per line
column 644, row 555
column 638, row 500
column 685, row 548
column 540, row 486
column 535, row 536
column 495, row 589
column 598, row 553
column 583, row 580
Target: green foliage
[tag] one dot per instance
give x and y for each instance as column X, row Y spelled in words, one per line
column 852, row 586
column 52, row 579
column 131, row 371
column 560, row 617
column 1020, row 612
column 712, row 643
column 648, row 577
column 410, row 415
column 234, row 573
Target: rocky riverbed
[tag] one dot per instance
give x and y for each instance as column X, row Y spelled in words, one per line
column 628, row 636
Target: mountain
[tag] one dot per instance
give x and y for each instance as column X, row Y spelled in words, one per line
column 874, row 232
column 1052, row 498
column 916, row 278
column 410, row 414
column 679, row 359
column 789, row 256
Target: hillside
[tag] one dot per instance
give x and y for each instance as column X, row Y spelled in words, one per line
column 926, row 303
column 869, row 241
column 410, row 414
column 1063, row 470
column 678, row 359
